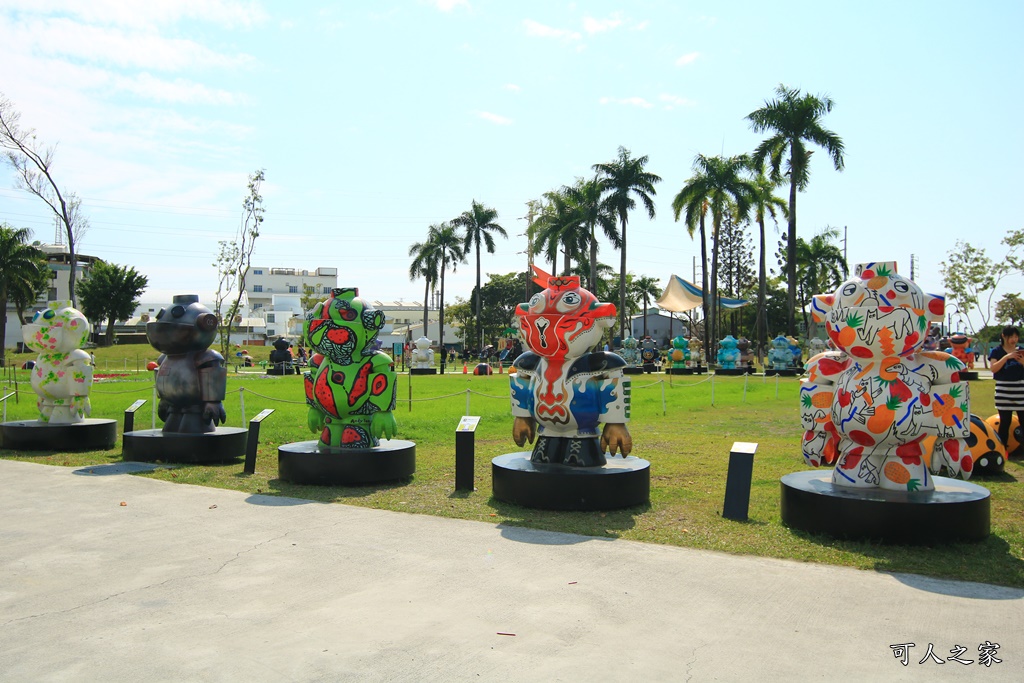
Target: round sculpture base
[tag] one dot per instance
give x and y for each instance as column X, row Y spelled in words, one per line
column 632, row 370
column 680, row 371
column 282, row 370
column 787, row 372
column 622, row 483
column 32, row 435
column 650, row 367
column 150, row 445
column 969, row 375
column 303, row 463
column 422, row 371
column 734, row 371
column 955, row 511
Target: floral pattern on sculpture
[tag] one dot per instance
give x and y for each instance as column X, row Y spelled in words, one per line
column 62, row 376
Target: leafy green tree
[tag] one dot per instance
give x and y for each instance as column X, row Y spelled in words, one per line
column 21, row 269
column 763, row 202
column 820, row 267
column 446, row 243
column 110, row 292
column 33, row 167
column 717, row 186
column 560, row 227
column 426, row 263
column 234, row 258
column 793, row 120
column 646, row 288
column 621, row 180
column 1010, row 309
column 479, row 223
column 500, row 296
column 971, row 278
column 736, row 264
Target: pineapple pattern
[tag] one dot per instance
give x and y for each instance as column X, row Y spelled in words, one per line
column 886, row 413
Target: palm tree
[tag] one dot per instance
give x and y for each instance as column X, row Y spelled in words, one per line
column 426, row 261
column 560, row 225
column 479, row 223
column 450, row 248
column 794, row 120
column 645, row 288
column 820, row 267
column 620, row 180
column 763, row 202
column 592, row 212
column 20, row 266
column 718, row 186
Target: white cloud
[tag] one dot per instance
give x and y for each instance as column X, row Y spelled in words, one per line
column 673, row 101
column 494, row 118
column 534, row 28
column 449, row 5
column 591, row 25
column 630, row 101
column 688, row 58
column 512, row 87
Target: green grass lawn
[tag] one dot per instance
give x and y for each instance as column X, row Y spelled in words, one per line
column 687, row 442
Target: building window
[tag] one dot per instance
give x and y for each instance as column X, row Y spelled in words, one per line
column 270, row 318
column 256, row 307
column 257, row 288
column 271, row 332
column 257, row 271
column 52, row 295
column 53, row 274
column 293, row 289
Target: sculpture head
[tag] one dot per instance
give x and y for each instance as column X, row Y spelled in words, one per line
column 186, row 326
column 681, row 343
column 696, row 344
column 343, row 326
column 877, row 312
column 281, row 344
column 423, row 343
column 58, row 328
column 564, row 320
column 630, row 343
column 780, row 343
column 730, row 342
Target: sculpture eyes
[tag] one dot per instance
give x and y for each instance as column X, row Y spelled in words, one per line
column 537, row 302
column 849, row 290
column 178, row 311
column 568, row 302
column 49, row 315
column 901, row 287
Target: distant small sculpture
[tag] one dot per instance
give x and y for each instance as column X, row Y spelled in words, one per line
column 696, row 351
column 191, row 380
column 816, row 346
column 422, row 355
column 780, row 356
column 746, row 353
column 931, row 341
column 648, row 351
column 62, row 375
column 728, row 353
column 630, row 351
column 561, row 390
column 798, row 353
column 680, row 352
column 281, row 356
column 962, row 349
column 350, row 388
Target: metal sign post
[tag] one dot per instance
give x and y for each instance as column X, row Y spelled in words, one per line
column 129, row 414
column 465, row 437
column 253, row 440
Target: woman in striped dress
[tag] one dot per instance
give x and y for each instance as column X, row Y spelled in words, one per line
column 1008, row 372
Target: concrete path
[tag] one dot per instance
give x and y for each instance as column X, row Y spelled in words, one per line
column 109, row 577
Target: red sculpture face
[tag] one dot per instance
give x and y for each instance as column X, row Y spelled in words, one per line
column 564, row 320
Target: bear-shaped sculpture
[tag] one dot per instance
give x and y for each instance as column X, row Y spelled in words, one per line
column 680, row 352
column 816, row 346
column 422, row 354
column 696, row 351
column 780, row 356
column 191, row 380
column 562, row 390
column 62, row 375
column 630, row 351
column 746, row 352
column 962, row 349
column 728, row 353
column 351, row 387
column 868, row 406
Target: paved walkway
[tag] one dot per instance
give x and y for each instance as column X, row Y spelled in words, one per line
column 109, row 577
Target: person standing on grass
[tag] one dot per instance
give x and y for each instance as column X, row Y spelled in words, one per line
column 1008, row 372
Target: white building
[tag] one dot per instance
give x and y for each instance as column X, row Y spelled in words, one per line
column 262, row 283
column 58, row 260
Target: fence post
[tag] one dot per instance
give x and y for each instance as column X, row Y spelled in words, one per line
column 664, row 407
column 241, row 399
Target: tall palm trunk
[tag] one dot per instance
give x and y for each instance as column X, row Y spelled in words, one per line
column 440, row 314
column 791, row 249
column 704, row 286
column 426, row 299
column 717, row 220
column 622, row 281
column 762, row 297
column 645, row 319
column 479, row 299
column 592, row 285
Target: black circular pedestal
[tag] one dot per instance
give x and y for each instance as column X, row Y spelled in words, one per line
column 150, row 445
column 734, row 371
column 969, row 375
column 623, row 482
column 787, row 372
column 282, row 370
column 422, row 371
column 632, row 370
column 303, row 463
column 680, row 371
column 954, row 511
column 32, row 435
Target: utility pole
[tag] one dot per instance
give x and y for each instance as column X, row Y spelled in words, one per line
column 846, row 260
column 912, row 263
column 531, row 210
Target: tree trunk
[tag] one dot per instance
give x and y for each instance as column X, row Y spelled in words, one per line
column 426, row 298
column 791, row 251
column 622, row 283
column 717, row 225
column 761, row 324
column 645, row 317
column 109, row 341
column 704, row 285
column 3, row 329
column 440, row 315
column 592, row 285
column 479, row 298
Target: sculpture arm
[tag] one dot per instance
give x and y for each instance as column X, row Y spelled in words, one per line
column 213, row 379
column 820, row 441
column 950, row 418
column 615, row 437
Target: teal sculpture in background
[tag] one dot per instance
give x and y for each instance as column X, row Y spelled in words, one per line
column 630, row 352
column 680, row 352
column 62, row 375
column 781, row 357
column 350, row 388
column 728, row 353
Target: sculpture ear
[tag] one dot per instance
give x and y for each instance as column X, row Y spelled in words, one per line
column 935, row 307
column 821, row 305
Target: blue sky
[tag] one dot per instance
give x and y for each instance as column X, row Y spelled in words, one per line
column 374, row 120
